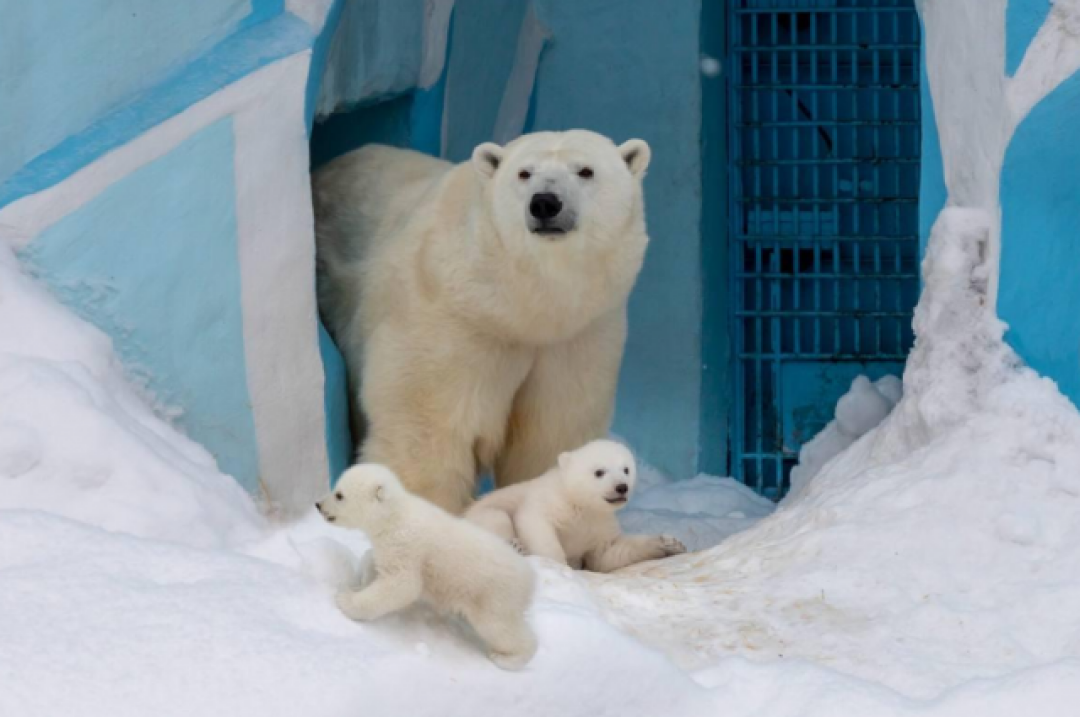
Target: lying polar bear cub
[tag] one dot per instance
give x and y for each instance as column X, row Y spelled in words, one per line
column 568, row 514
column 419, row 551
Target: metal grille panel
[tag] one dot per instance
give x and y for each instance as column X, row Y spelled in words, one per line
column 824, row 136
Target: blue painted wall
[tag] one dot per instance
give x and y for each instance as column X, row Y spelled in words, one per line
column 610, row 69
column 88, row 58
column 178, row 286
column 1039, row 296
column 1038, row 293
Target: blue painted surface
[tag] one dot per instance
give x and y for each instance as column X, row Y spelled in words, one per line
column 485, row 33
column 227, row 62
column 1039, row 294
column 339, row 442
column 382, row 49
column 63, row 65
column 177, row 286
column 609, row 68
column 320, row 52
column 427, row 107
column 1023, row 18
column 932, row 190
column 716, row 324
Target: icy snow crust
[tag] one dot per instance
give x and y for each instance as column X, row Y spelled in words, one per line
column 929, row 569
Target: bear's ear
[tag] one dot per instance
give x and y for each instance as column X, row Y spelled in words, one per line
column 379, row 494
column 564, row 461
column 636, row 154
column 486, row 158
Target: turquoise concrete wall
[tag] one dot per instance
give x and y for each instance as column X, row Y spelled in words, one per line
column 1038, row 293
column 88, row 57
column 631, row 69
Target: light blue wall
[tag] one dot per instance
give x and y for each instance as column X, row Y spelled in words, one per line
column 260, row 39
column 631, row 69
column 485, row 38
column 153, row 262
column 65, row 64
column 1039, row 296
column 1039, row 293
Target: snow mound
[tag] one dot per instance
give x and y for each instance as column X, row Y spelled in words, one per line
column 77, row 440
column 858, row 411
column 942, row 547
column 929, row 569
column 701, row 511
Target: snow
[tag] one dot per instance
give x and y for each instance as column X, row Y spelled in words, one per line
column 929, row 569
column 701, row 512
column 862, row 408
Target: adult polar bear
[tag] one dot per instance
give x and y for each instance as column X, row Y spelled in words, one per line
column 481, row 307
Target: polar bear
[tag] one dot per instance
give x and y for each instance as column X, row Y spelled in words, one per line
column 568, row 514
column 481, row 307
column 421, row 552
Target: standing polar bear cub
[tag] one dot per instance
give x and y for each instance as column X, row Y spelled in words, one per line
column 421, row 552
column 568, row 514
column 481, row 307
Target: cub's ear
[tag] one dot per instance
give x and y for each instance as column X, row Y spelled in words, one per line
column 636, row 154
column 486, row 158
column 564, row 461
column 380, row 493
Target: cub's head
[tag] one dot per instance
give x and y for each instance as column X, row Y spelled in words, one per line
column 363, row 498
column 553, row 186
column 600, row 474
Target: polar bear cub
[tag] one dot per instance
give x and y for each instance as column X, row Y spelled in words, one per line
column 568, row 514
column 419, row 551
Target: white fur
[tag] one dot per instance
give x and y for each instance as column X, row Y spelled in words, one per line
column 475, row 341
column 419, row 551
column 568, row 514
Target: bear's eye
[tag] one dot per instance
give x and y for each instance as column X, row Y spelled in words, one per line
column 599, row 472
column 585, row 173
column 626, row 471
column 524, row 174
column 339, row 495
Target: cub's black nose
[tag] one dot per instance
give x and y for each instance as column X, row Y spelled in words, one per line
column 545, row 206
column 622, row 488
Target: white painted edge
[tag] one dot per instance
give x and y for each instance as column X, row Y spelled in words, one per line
column 1052, row 57
column 276, row 230
column 514, row 107
column 313, row 12
column 277, row 258
column 436, row 36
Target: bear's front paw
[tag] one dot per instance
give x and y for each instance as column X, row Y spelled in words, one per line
column 669, row 546
column 518, row 546
column 352, row 608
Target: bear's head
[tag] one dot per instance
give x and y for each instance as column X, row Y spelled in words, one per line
column 600, row 474
column 364, row 498
column 555, row 186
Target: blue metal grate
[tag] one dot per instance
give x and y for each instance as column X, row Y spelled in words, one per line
column 824, row 137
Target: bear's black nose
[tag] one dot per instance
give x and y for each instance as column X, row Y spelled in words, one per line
column 622, row 488
column 545, row 206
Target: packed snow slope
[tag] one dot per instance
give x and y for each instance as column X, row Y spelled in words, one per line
column 932, row 568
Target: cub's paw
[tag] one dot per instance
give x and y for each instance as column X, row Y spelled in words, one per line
column 668, row 546
column 518, row 546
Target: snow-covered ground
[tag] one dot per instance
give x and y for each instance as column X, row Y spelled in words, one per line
column 932, row 568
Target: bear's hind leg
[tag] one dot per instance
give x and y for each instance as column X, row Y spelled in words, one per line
column 510, row 641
